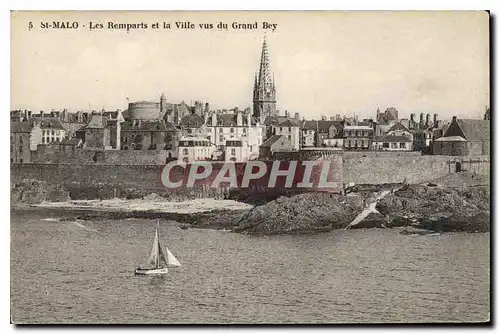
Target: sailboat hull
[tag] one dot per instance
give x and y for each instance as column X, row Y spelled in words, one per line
column 159, row 271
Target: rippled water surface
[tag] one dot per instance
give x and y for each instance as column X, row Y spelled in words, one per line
column 65, row 272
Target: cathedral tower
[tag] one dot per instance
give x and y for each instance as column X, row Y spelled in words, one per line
column 264, row 91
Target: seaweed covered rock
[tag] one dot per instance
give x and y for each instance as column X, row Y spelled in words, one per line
column 438, row 209
column 309, row 212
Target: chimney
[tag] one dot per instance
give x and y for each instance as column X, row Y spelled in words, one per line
column 323, row 118
column 332, row 118
column 427, row 118
column 297, row 116
column 412, row 117
column 454, row 120
column 286, row 113
column 207, row 107
column 421, row 117
column 435, row 119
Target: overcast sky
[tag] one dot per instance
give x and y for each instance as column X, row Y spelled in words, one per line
column 325, row 63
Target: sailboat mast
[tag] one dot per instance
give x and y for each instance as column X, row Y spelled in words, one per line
column 158, row 240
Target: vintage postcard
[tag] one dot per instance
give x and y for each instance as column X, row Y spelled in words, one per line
column 250, row 167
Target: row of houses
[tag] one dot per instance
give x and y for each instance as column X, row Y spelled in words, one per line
column 237, row 135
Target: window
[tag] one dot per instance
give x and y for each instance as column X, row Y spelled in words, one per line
column 281, row 129
column 232, row 130
column 385, row 145
column 53, row 132
column 20, row 149
column 402, row 145
column 21, row 160
column 289, row 129
column 11, row 138
column 394, row 145
column 233, row 151
column 244, row 130
column 43, row 140
column 185, row 151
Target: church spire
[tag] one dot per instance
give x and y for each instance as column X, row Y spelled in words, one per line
column 264, row 92
column 264, row 71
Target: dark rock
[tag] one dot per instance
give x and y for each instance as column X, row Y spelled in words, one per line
column 373, row 220
column 304, row 213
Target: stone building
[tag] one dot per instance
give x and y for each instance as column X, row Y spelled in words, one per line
column 156, row 135
column 195, row 149
column 97, row 135
column 358, row 137
column 274, row 144
column 20, row 141
column 389, row 116
column 264, row 89
column 464, row 137
column 290, row 128
column 397, row 138
column 322, row 133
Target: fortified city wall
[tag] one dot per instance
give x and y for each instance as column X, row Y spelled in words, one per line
column 124, row 173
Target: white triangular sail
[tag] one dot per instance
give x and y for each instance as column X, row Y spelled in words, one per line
column 157, row 258
column 171, row 260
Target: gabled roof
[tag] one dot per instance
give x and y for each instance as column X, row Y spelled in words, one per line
column 321, row 126
column 20, row 127
column 475, row 129
column 309, row 125
column 398, row 127
column 470, row 129
column 271, row 140
column 451, row 138
column 279, row 120
column 227, row 120
column 288, row 122
column 192, row 121
column 47, row 122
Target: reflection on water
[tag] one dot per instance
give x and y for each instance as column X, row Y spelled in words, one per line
column 63, row 273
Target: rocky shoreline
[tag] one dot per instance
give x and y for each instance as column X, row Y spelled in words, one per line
column 426, row 208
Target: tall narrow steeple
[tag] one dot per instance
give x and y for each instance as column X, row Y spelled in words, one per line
column 264, row 72
column 264, row 92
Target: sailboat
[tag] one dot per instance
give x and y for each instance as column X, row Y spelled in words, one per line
column 157, row 261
